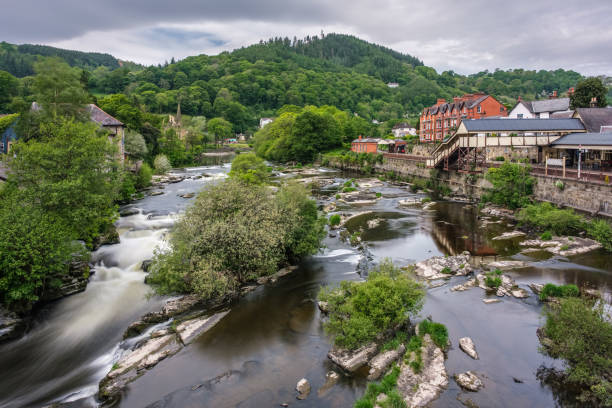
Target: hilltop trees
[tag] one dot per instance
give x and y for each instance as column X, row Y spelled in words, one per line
column 58, row 88
column 220, row 128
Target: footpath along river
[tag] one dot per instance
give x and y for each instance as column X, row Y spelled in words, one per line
column 273, row 337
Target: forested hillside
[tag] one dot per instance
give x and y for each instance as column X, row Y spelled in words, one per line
column 18, row 60
column 250, row 82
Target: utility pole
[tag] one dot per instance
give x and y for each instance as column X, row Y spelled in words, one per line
column 579, row 158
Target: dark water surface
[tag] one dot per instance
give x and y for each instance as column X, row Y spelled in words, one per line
column 273, row 337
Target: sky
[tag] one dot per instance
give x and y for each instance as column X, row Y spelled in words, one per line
column 464, row 36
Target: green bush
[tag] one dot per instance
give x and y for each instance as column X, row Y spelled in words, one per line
column 512, row 185
column 358, row 312
column 338, row 196
column 562, row 291
column 334, row 219
column 399, row 338
column 580, row 333
column 437, row 331
column 446, row 270
column 546, row 216
column 348, row 189
column 601, row 231
column 493, row 279
column 143, row 177
column 235, row 233
column 378, row 194
column 546, row 236
column 162, row 164
column 387, row 386
column 249, row 169
column 500, row 158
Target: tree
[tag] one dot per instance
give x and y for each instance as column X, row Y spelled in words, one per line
column 512, row 185
column 135, row 145
column 162, row 164
column 586, row 90
column 58, row 89
column 313, row 133
column 119, row 106
column 69, row 171
column 220, row 127
column 249, row 169
column 8, row 89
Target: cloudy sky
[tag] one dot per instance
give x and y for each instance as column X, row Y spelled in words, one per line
column 465, row 36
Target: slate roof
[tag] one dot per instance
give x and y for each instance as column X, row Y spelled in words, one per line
column 550, row 105
column 564, row 114
column 521, row 125
column 369, row 140
column 467, row 102
column 595, row 118
column 586, row 139
column 99, row 116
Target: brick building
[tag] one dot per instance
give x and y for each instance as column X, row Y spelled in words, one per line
column 440, row 120
column 368, row 145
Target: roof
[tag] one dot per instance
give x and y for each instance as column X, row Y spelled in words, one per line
column 564, row 114
column 99, row 116
column 586, row 139
column 369, row 140
column 550, row 105
column 521, row 125
column 595, row 118
column 469, row 101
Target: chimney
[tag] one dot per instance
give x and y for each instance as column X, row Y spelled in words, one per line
column 456, row 99
column 359, row 137
column 553, row 96
column 570, row 91
column 593, row 102
column 519, row 98
column 440, row 101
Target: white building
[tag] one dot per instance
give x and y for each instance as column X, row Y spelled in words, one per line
column 543, row 109
column 264, row 121
column 392, row 84
column 403, row 129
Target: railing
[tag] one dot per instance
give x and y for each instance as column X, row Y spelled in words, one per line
column 406, row 156
column 443, row 150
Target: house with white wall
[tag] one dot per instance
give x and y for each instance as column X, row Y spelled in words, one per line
column 543, row 109
column 403, row 129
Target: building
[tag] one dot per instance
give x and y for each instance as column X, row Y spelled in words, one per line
column 7, row 132
column 546, row 108
column 392, row 84
column 115, row 129
column 478, row 141
column 403, row 129
column 361, row 145
column 441, row 119
column 594, row 119
column 264, row 121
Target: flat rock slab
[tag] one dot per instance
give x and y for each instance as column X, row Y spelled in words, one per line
column 564, row 246
column 331, row 378
column 352, row 361
column 467, row 345
column 465, row 286
column 509, row 235
column 189, row 330
column 381, row 363
column 469, row 381
column 418, row 390
column 490, row 301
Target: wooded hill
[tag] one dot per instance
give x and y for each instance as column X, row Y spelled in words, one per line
column 257, row 80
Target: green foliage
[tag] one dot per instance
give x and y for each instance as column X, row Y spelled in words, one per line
column 561, row 291
column 349, row 189
column 162, row 164
column 601, row 231
column 546, row 216
column 386, row 386
column 235, row 233
column 493, row 279
column 446, row 270
column 9, row 88
column 358, row 312
column 378, row 194
column 135, row 145
column 69, row 171
column 120, row 107
column 546, row 236
column 220, row 128
column 586, row 90
column 334, row 220
column 250, row 169
column 437, row 331
column 143, row 177
column 580, row 333
column 512, row 185
column 6, row 121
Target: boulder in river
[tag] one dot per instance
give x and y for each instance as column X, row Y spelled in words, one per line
column 303, row 389
column 189, row 330
column 10, row 325
column 419, row 389
column 564, row 246
column 467, row 345
column 509, row 235
column 381, row 363
column 331, row 378
column 469, row 381
column 351, row 361
column 126, row 212
column 440, row 267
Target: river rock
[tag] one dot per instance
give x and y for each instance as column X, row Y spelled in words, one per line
column 467, row 345
column 146, row 264
column 497, row 211
column 75, row 281
column 432, row 268
column 420, row 389
column 303, row 389
column 331, row 378
column 189, row 330
column 381, row 363
column 156, row 193
column 323, row 306
column 489, row 301
column 465, row 286
column 351, row 361
column 409, row 202
column 374, row 223
column 429, row 206
column 274, row 277
column 187, row 195
column 536, row 288
column 564, row 246
column 509, row 235
column 519, row 293
column 506, row 265
column 129, row 367
column 469, row 381
column 10, row 325
column 126, row 212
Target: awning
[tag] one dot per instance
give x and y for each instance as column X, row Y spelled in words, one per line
column 384, row 142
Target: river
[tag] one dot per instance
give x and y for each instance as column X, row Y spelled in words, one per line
column 273, row 337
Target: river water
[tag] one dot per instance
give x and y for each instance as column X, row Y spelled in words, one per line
column 273, row 337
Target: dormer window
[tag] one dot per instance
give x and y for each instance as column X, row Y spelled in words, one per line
column 478, row 109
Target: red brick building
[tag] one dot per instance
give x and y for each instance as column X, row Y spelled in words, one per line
column 362, row 145
column 440, row 120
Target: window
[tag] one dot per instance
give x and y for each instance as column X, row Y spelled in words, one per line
column 501, row 108
column 519, row 116
column 478, row 109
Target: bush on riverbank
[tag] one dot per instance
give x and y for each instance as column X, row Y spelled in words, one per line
column 235, row 233
column 512, row 185
column 250, row 169
column 387, row 386
column 580, row 333
column 561, row 291
column 359, row 312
